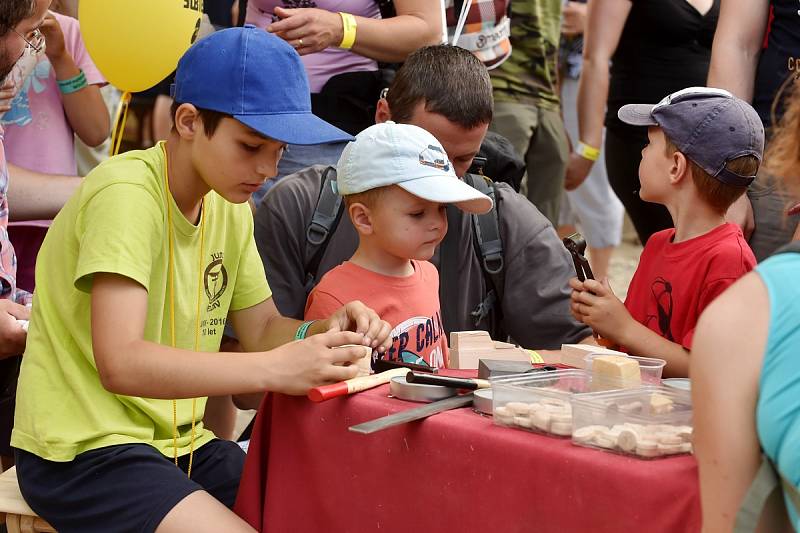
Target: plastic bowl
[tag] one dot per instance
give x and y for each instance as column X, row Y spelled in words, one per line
column 651, row 368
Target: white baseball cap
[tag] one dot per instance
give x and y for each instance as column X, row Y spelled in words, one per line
column 409, row 157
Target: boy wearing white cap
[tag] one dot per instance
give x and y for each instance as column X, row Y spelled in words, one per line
column 396, row 181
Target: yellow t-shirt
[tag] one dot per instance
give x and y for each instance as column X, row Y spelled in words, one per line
column 117, row 222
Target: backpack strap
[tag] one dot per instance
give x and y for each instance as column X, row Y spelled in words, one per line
column 489, row 247
column 327, row 214
column 764, row 484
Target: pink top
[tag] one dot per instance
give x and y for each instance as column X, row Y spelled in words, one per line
column 8, row 259
column 321, row 66
column 38, row 135
column 410, row 305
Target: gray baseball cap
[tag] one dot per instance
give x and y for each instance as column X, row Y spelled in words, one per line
column 710, row 126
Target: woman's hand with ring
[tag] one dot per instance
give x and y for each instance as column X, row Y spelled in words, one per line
column 308, row 29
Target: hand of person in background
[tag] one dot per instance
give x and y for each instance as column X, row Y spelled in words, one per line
column 578, row 170
column 308, row 30
column 573, row 19
column 12, row 335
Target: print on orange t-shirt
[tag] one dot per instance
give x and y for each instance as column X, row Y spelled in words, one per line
column 409, row 304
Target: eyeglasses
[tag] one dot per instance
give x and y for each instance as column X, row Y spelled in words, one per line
column 35, row 39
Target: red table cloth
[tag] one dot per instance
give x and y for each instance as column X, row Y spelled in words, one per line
column 454, row 471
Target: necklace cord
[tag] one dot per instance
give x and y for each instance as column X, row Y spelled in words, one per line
column 171, row 281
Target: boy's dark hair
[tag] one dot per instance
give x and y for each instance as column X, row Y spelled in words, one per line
column 719, row 195
column 12, row 12
column 210, row 119
column 450, row 80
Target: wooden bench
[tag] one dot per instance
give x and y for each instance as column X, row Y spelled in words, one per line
column 19, row 517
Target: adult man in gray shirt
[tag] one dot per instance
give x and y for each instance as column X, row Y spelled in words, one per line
column 446, row 91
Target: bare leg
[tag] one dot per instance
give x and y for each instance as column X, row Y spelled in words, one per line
column 600, row 258
column 200, row 512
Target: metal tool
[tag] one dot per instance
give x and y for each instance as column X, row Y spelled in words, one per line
column 482, row 403
column 413, row 414
column 400, row 388
column 382, row 365
column 576, row 245
column 447, row 381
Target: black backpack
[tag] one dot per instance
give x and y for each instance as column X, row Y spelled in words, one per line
column 487, row 244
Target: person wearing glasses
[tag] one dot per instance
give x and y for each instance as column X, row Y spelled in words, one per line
column 704, row 151
column 19, row 23
column 59, row 99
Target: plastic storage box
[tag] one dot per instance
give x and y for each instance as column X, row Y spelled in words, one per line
column 647, row 422
column 650, row 368
column 541, row 402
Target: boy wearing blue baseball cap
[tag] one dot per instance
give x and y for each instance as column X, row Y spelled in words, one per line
column 397, row 181
column 705, row 149
column 135, row 282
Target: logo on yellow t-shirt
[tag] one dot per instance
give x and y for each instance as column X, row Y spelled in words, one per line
column 215, row 280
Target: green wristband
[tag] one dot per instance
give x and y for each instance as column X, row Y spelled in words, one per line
column 73, row 84
column 303, row 330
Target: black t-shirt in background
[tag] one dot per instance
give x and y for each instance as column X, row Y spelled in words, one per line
column 665, row 46
column 779, row 61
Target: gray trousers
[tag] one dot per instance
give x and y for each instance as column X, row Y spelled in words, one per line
column 539, row 137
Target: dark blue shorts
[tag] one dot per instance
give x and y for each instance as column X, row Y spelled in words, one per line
column 128, row 487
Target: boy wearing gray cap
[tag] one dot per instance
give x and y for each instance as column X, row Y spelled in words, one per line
column 705, row 149
column 396, row 181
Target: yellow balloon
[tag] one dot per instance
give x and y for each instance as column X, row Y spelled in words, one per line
column 137, row 43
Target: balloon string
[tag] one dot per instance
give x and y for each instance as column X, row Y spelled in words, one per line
column 119, row 122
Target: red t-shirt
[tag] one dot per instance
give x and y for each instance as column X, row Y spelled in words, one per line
column 410, row 305
column 675, row 282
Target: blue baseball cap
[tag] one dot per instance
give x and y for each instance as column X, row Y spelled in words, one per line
column 259, row 80
column 710, row 126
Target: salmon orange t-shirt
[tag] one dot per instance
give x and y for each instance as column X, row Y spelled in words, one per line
column 410, row 304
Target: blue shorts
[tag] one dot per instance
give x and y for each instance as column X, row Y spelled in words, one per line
column 128, row 487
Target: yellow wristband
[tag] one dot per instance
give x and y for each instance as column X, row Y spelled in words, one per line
column 535, row 356
column 348, row 30
column 587, row 152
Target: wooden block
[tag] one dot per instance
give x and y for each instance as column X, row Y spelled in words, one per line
column 19, row 516
column 470, row 340
column 574, row 354
column 468, row 359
